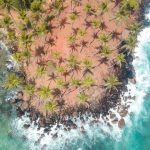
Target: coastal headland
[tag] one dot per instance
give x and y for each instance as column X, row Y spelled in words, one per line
column 75, row 57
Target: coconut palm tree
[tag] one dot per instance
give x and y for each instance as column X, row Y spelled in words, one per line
column 51, row 106
column 88, row 9
column 130, row 4
column 25, row 38
column 120, row 59
column 87, row 82
column 135, row 28
column 103, row 7
column 104, row 38
column 12, row 81
column 60, row 83
column 44, row 92
column 6, row 22
column 105, row 51
column 121, row 15
column 112, row 82
column 41, row 29
column 57, row 6
column 11, row 36
column 83, row 97
column 75, row 82
column 61, row 69
column 26, row 54
column 72, row 39
column 82, row 32
column 87, row 65
column 6, row 4
column 36, row 6
column 96, row 23
column 29, row 88
column 22, row 14
column 73, row 63
column 18, row 56
column 41, row 70
column 73, row 16
column 130, row 43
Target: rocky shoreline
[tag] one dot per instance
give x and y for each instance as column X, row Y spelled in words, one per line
column 68, row 117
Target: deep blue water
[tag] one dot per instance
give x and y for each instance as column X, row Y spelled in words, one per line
column 135, row 136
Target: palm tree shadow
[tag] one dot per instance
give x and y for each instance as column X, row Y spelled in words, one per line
column 63, row 23
column 51, row 42
column 83, row 44
column 74, row 47
column 39, row 51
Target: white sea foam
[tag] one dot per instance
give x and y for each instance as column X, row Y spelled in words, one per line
column 138, row 91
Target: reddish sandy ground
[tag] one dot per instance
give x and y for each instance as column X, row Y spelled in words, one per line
column 59, row 37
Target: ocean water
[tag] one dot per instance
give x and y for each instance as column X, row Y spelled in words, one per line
column 135, row 135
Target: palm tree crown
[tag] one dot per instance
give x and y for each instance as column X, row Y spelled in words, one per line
column 112, row 82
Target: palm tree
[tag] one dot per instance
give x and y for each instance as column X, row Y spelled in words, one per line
column 112, row 82
column 57, row 6
column 105, row 51
column 12, row 81
column 6, row 22
column 81, row 32
column 83, row 97
column 96, row 23
column 22, row 14
column 87, row 63
column 121, row 15
column 25, row 38
column 36, row 6
column 29, row 88
column 120, row 59
column 60, row 83
column 104, row 38
column 42, row 28
column 26, row 54
column 71, row 39
column 130, row 43
column 103, row 7
column 11, row 36
column 41, row 70
column 51, row 106
column 135, row 28
column 44, row 92
column 6, row 4
column 127, row 4
column 87, row 82
column 18, row 56
column 88, row 9
column 61, row 69
column 73, row 16
column 75, row 82
column 73, row 63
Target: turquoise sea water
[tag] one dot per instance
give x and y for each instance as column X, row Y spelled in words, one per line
column 135, row 136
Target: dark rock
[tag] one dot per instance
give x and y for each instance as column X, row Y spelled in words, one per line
column 12, row 101
column 114, row 121
column 123, row 113
column 26, row 126
column 24, row 106
column 42, row 122
column 121, row 123
column 46, row 130
column 55, row 136
column 112, row 115
column 20, row 95
column 132, row 80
